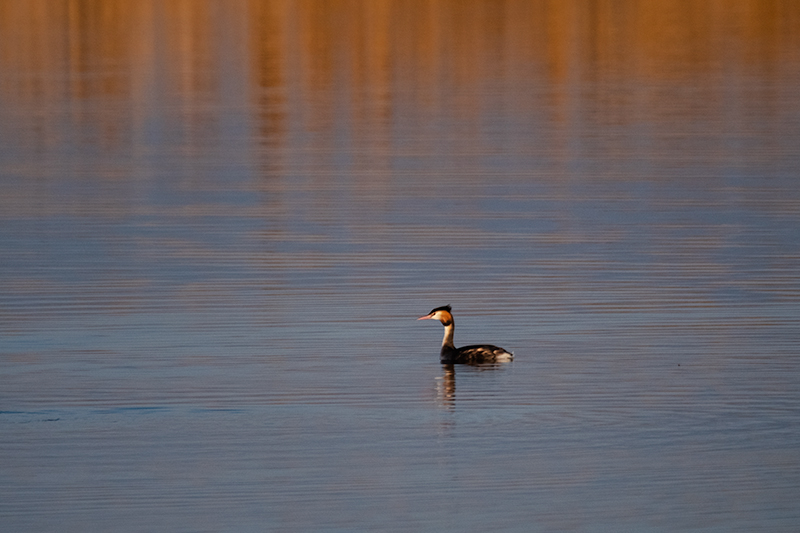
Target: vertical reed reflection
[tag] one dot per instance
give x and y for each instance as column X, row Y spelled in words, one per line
column 325, row 75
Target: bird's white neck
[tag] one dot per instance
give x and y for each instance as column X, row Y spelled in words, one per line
column 447, row 341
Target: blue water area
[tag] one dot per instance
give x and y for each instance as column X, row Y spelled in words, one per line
column 212, row 256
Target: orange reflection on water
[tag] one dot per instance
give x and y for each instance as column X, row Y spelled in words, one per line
column 306, row 59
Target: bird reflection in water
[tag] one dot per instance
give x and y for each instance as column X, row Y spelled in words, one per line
column 446, row 386
column 446, row 383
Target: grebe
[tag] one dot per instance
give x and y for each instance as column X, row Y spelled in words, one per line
column 477, row 353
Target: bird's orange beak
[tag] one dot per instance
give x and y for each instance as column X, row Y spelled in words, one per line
column 426, row 317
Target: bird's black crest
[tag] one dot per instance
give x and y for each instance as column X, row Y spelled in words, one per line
column 443, row 308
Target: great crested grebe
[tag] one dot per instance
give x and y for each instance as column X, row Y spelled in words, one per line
column 477, row 353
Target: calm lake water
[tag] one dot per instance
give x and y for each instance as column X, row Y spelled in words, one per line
column 220, row 220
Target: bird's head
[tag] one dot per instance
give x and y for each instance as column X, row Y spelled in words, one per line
column 442, row 314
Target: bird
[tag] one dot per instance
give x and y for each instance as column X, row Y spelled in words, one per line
column 473, row 354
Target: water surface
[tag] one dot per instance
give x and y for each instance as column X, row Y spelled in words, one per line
column 219, row 220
